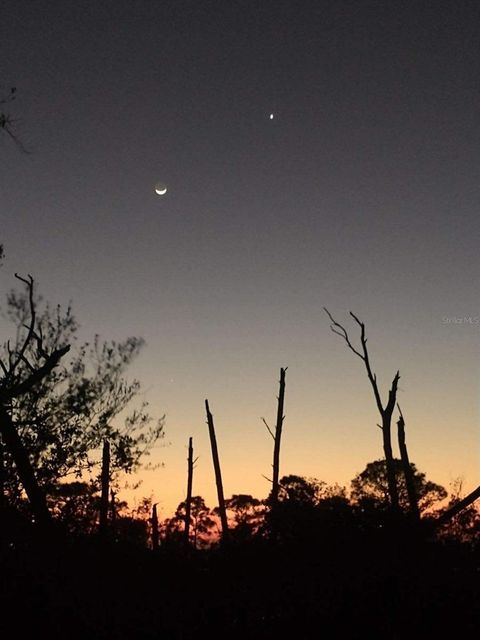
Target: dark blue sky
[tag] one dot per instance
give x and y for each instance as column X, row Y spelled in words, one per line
column 362, row 193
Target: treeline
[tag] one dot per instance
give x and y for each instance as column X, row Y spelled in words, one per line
column 392, row 556
column 64, row 449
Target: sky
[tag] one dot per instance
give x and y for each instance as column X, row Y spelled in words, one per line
column 362, row 193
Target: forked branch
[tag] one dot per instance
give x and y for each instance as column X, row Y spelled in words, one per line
column 11, row 386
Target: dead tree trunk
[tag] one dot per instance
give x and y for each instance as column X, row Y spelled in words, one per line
column 457, row 508
column 24, row 467
column 105, row 483
column 113, row 512
column 154, row 528
column 407, row 468
column 385, row 411
column 218, row 474
column 277, row 436
column 188, row 500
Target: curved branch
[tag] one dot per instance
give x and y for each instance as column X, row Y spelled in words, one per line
column 342, row 332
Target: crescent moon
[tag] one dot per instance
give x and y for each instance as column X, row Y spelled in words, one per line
column 161, row 191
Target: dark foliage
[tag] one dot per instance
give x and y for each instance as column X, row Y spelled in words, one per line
column 64, row 420
column 370, row 487
column 258, row 590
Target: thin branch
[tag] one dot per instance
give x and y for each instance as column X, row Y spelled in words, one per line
column 7, row 123
column 30, row 327
column 366, row 358
column 268, row 428
column 25, row 361
column 26, row 385
column 342, row 332
column 3, row 367
column 10, row 354
column 39, row 338
column 399, row 411
column 359, row 322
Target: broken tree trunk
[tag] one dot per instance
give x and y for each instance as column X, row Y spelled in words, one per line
column 188, row 500
column 218, row 475
column 388, row 451
column 277, row 437
column 457, row 508
column 407, row 468
column 154, row 527
column 105, row 482
column 113, row 512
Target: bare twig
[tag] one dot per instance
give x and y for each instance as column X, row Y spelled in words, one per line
column 30, row 327
column 4, row 368
column 342, row 332
column 268, row 428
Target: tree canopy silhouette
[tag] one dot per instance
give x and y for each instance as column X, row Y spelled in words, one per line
column 202, row 524
column 370, row 487
column 247, row 514
column 63, row 420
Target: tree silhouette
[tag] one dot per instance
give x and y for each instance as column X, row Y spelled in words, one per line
column 407, row 467
column 277, row 437
column 304, row 491
column 105, row 489
column 464, row 525
column 25, row 367
column 385, row 409
column 247, row 515
column 370, row 487
column 293, row 516
column 155, row 532
column 65, row 419
column 218, row 474
column 190, row 467
column 202, row 524
column 75, row 505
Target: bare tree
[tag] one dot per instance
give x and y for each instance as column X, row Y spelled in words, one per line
column 155, row 536
column 105, row 487
column 21, row 376
column 385, row 409
column 407, row 467
column 218, row 475
column 188, row 500
column 277, row 435
column 113, row 512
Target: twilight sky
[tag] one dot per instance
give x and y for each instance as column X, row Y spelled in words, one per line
column 362, row 193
